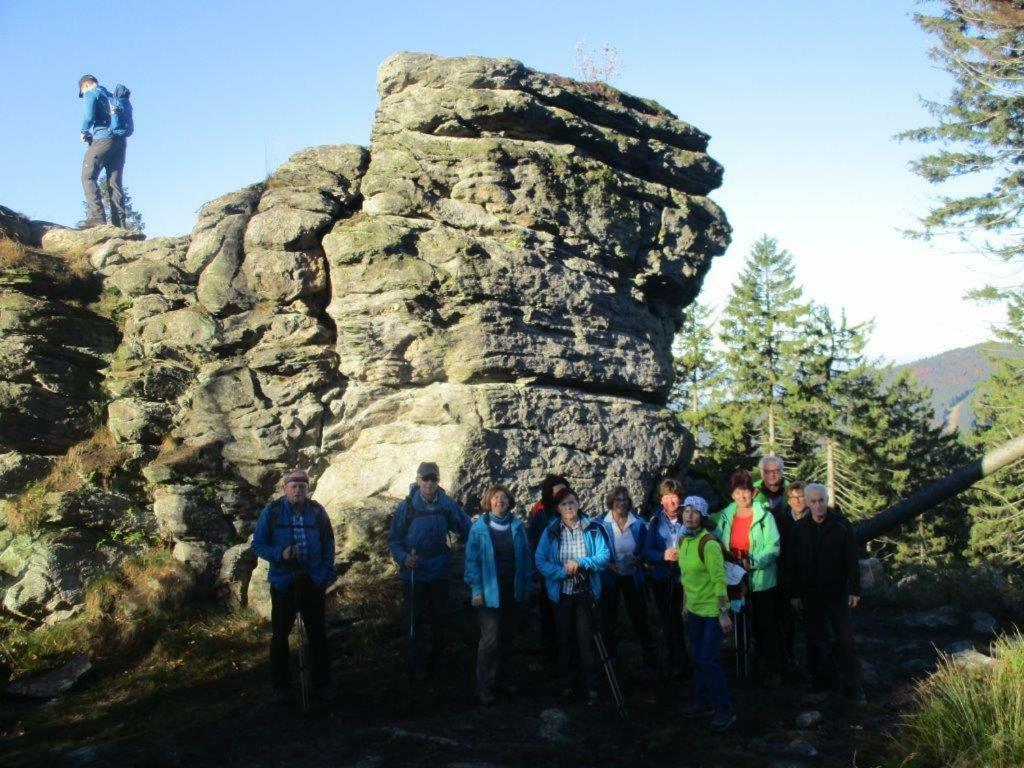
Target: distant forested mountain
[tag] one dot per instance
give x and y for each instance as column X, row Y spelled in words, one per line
column 953, row 377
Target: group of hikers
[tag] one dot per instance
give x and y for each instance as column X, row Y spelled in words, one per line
column 775, row 557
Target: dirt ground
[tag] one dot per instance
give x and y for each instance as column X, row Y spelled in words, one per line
column 203, row 701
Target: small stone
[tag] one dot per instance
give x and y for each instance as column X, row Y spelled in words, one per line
column 552, row 722
column 812, row 718
column 52, row 684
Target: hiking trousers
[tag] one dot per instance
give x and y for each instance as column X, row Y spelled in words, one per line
column 710, row 688
column 308, row 599
column 821, row 616
column 427, row 602
column 668, row 596
column 576, row 612
column 497, row 635
column 104, row 155
column 635, row 598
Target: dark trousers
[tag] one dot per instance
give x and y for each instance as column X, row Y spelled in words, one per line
column 104, row 155
column 308, row 599
column 427, row 603
column 633, row 596
column 820, row 616
column 787, row 618
column 764, row 619
column 709, row 677
column 668, row 596
column 576, row 612
column 497, row 635
column 548, row 635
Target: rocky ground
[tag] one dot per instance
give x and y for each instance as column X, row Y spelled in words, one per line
column 201, row 700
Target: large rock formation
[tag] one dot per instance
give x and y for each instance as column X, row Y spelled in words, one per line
column 493, row 285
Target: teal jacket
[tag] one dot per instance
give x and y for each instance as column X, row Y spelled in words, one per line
column 764, row 542
column 481, row 570
column 550, row 565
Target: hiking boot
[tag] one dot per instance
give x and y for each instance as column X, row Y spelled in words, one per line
column 722, row 721
column 694, row 710
column 90, row 223
column 486, row 698
column 279, row 698
column 591, row 698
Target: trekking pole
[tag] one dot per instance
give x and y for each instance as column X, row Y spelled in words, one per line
column 602, row 650
column 412, row 602
column 302, row 636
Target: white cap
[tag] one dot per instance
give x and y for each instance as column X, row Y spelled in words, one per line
column 697, row 503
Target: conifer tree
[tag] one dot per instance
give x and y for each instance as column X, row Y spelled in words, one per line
column 761, row 335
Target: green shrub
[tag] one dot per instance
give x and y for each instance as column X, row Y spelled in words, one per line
column 971, row 715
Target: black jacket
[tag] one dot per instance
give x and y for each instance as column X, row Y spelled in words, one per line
column 822, row 559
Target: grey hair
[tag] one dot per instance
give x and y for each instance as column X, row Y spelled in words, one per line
column 817, row 487
column 766, row 459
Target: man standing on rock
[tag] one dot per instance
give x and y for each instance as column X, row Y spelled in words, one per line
column 294, row 535
column 106, row 125
column 419, row 543
column 824, row 582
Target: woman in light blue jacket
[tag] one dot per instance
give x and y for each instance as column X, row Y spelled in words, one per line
column 572, row 552
column 498, row 571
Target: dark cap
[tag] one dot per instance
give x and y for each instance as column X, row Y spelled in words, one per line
column 427, row 468
column 82, row 81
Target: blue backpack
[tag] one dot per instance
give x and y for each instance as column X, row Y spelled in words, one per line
column 121, row 123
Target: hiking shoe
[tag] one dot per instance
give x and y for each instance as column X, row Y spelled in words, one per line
column 486, row 698
column 591, row 698
column 90, row 223
column 694, row 710
column 722, row 721
column 279, row 698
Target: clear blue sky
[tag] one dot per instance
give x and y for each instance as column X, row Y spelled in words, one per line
column 801, row 100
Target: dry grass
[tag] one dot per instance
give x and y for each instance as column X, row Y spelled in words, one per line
column 124, row 613
column 64, row 271
column 94, row 460
column 12, row 253
column 26, row 511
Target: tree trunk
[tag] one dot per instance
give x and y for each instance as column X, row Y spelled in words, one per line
column 940, row 490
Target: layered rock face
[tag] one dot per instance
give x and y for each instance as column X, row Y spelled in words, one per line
column 493, row 285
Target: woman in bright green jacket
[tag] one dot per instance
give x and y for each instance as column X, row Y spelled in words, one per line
column 748, row 533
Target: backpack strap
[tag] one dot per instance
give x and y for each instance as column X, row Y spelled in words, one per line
column 704, row 539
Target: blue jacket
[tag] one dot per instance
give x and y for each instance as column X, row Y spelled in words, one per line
column 96, row 120
column 481, row 570
column 426, row 531
column 550, row 566
column 269, row 544
column 654, row 549
column 639, row 531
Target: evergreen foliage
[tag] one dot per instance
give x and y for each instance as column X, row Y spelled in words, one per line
column 787, row 377
column 132, row 218
column 761, row 333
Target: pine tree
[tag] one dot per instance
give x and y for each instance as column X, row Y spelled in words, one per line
column 981, row 127
column 761, row 334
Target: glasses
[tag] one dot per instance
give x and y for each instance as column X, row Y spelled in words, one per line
column 796, row 495
column 430, row 478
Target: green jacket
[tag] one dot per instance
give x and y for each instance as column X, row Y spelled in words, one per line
column 703, row 581
column 764, row 542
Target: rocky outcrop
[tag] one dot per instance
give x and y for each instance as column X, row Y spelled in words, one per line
column 494, row 285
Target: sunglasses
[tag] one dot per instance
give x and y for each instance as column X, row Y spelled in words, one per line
column 430, row 478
